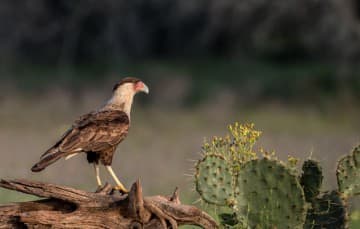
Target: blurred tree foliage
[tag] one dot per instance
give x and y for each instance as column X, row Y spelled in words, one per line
column 280, row 32
column 90, row 30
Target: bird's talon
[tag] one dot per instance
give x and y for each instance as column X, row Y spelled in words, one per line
column 121, row 189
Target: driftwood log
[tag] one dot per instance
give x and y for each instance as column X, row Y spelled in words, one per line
column 66, row 207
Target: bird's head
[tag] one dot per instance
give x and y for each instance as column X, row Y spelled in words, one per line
column 124, row 92
column 130, row 85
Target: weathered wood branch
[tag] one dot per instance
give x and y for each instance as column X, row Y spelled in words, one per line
column 66, row 207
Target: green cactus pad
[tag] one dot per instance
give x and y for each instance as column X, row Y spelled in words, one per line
column 348, row 173
column 214, row 180
column 328, row 211
column 269, row 195
column 311, row 179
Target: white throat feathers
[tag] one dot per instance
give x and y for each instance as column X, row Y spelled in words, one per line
column 122, row 98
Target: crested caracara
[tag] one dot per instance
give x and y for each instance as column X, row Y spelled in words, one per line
column 98, row 133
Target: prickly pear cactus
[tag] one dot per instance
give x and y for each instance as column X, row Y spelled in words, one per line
column 328, row 211
column 266, row 193
column 214, row 180
column 311, row 179
column 348, row 173
column 216, row 172
column 270, row 195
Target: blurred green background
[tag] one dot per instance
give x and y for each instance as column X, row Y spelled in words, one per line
column 291, row 67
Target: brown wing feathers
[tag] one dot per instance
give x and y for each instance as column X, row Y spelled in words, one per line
column 94, row 132
column 46, row 161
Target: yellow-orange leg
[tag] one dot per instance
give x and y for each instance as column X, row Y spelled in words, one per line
column 97, row 174
column 119, row 185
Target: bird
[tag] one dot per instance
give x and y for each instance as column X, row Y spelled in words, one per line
column 99, row 132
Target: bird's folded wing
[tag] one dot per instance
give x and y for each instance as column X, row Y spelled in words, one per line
column 96, row 132
column 53, row 149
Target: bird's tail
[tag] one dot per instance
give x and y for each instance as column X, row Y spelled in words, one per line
column 47, row 160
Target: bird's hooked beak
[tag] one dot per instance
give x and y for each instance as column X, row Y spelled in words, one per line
column 145, row 89
column 141, row 87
